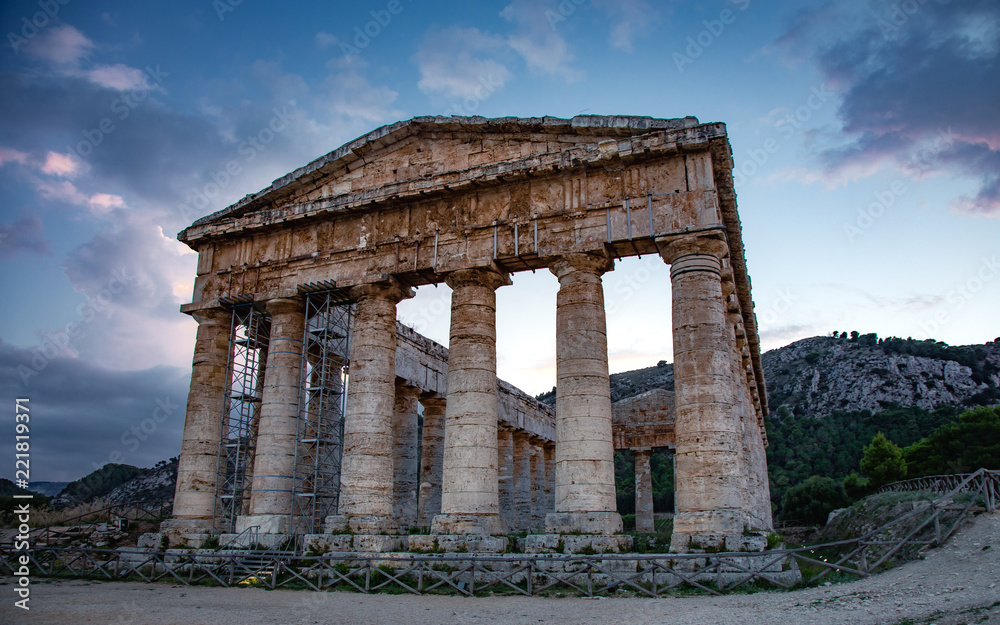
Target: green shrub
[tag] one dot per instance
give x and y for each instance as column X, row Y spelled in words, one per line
column 855, row 486
column 812, row 501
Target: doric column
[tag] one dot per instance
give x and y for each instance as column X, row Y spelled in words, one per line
column 470, row 497
column 405, row 456
column 431, row 460
column 550, row 478
column 537, row 487
column 274, row 460
column 522, row 481
column 367, row 468
column 643, row 491
column 505, row 475
column 585, row 473
column 194, row 499
column 710, row 487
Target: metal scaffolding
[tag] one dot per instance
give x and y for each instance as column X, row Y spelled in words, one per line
column 319, row 437
column 248, row 338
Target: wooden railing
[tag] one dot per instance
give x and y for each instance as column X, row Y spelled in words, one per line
column 83, row 526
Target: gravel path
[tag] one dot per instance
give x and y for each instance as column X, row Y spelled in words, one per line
column 958, row 583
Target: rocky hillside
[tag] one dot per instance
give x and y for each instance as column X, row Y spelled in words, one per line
column 816, row 376
column 819, row 375
column 120, row 483
column 156, row 484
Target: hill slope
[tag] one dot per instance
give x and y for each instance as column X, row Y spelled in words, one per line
column 120, row 483
column 819, row 375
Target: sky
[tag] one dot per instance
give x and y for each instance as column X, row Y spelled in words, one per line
column 865, row 133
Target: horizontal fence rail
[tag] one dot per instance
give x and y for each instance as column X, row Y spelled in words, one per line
column 650, row 575
column 84, row 525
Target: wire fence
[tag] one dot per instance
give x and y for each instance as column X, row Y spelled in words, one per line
column 651, row 575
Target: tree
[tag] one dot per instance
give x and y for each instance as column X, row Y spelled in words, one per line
column 970, row 444
column 813, row 500
column 855, row 486
column 882, row 462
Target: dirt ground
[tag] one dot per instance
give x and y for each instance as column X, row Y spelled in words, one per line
column 957, row 583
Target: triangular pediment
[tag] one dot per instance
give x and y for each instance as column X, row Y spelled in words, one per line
column 423, row 148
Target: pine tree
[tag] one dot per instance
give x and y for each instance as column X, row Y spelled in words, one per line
column 882, row 462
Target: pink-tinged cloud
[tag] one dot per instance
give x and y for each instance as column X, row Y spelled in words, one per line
column 60, row 45
column 64, row 191
column 10, row 155
column 63, row 165
column 103, row 203
column 99, row 204
column 920, row 97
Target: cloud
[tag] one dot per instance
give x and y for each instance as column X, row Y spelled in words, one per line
column 10, row 155
column 64, row 165
column 325, row 40
column 24, row 235
column 350, row 95
column 906, row 80
column 99, row 204
column 60, row 45
column 544, row 50
column 102, row 203
column 64, row 191
column 65, row 48
column 630, row 19
column 129, row 281
column 119, row 77
column 90, row 412
column 456, row 62
column 136, row 245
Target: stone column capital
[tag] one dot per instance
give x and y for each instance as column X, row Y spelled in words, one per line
column 391, row 290
column 487, row 277
column 212, row 316
column 285, row 306
column 677, row 250
column 585, row 266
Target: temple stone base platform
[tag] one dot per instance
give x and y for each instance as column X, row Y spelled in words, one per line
column 459, row 543
column 576, row 543
column 715, row 543
column 602, row 523
column 180, row 532
column 354, row 543
column 468, row 524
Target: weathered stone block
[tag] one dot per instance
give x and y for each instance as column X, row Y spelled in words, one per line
column 265, row 523
column 378, row 543
column 543, row 543
column 586, row 522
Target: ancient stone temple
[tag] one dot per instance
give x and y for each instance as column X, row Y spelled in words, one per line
column 312, row 411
